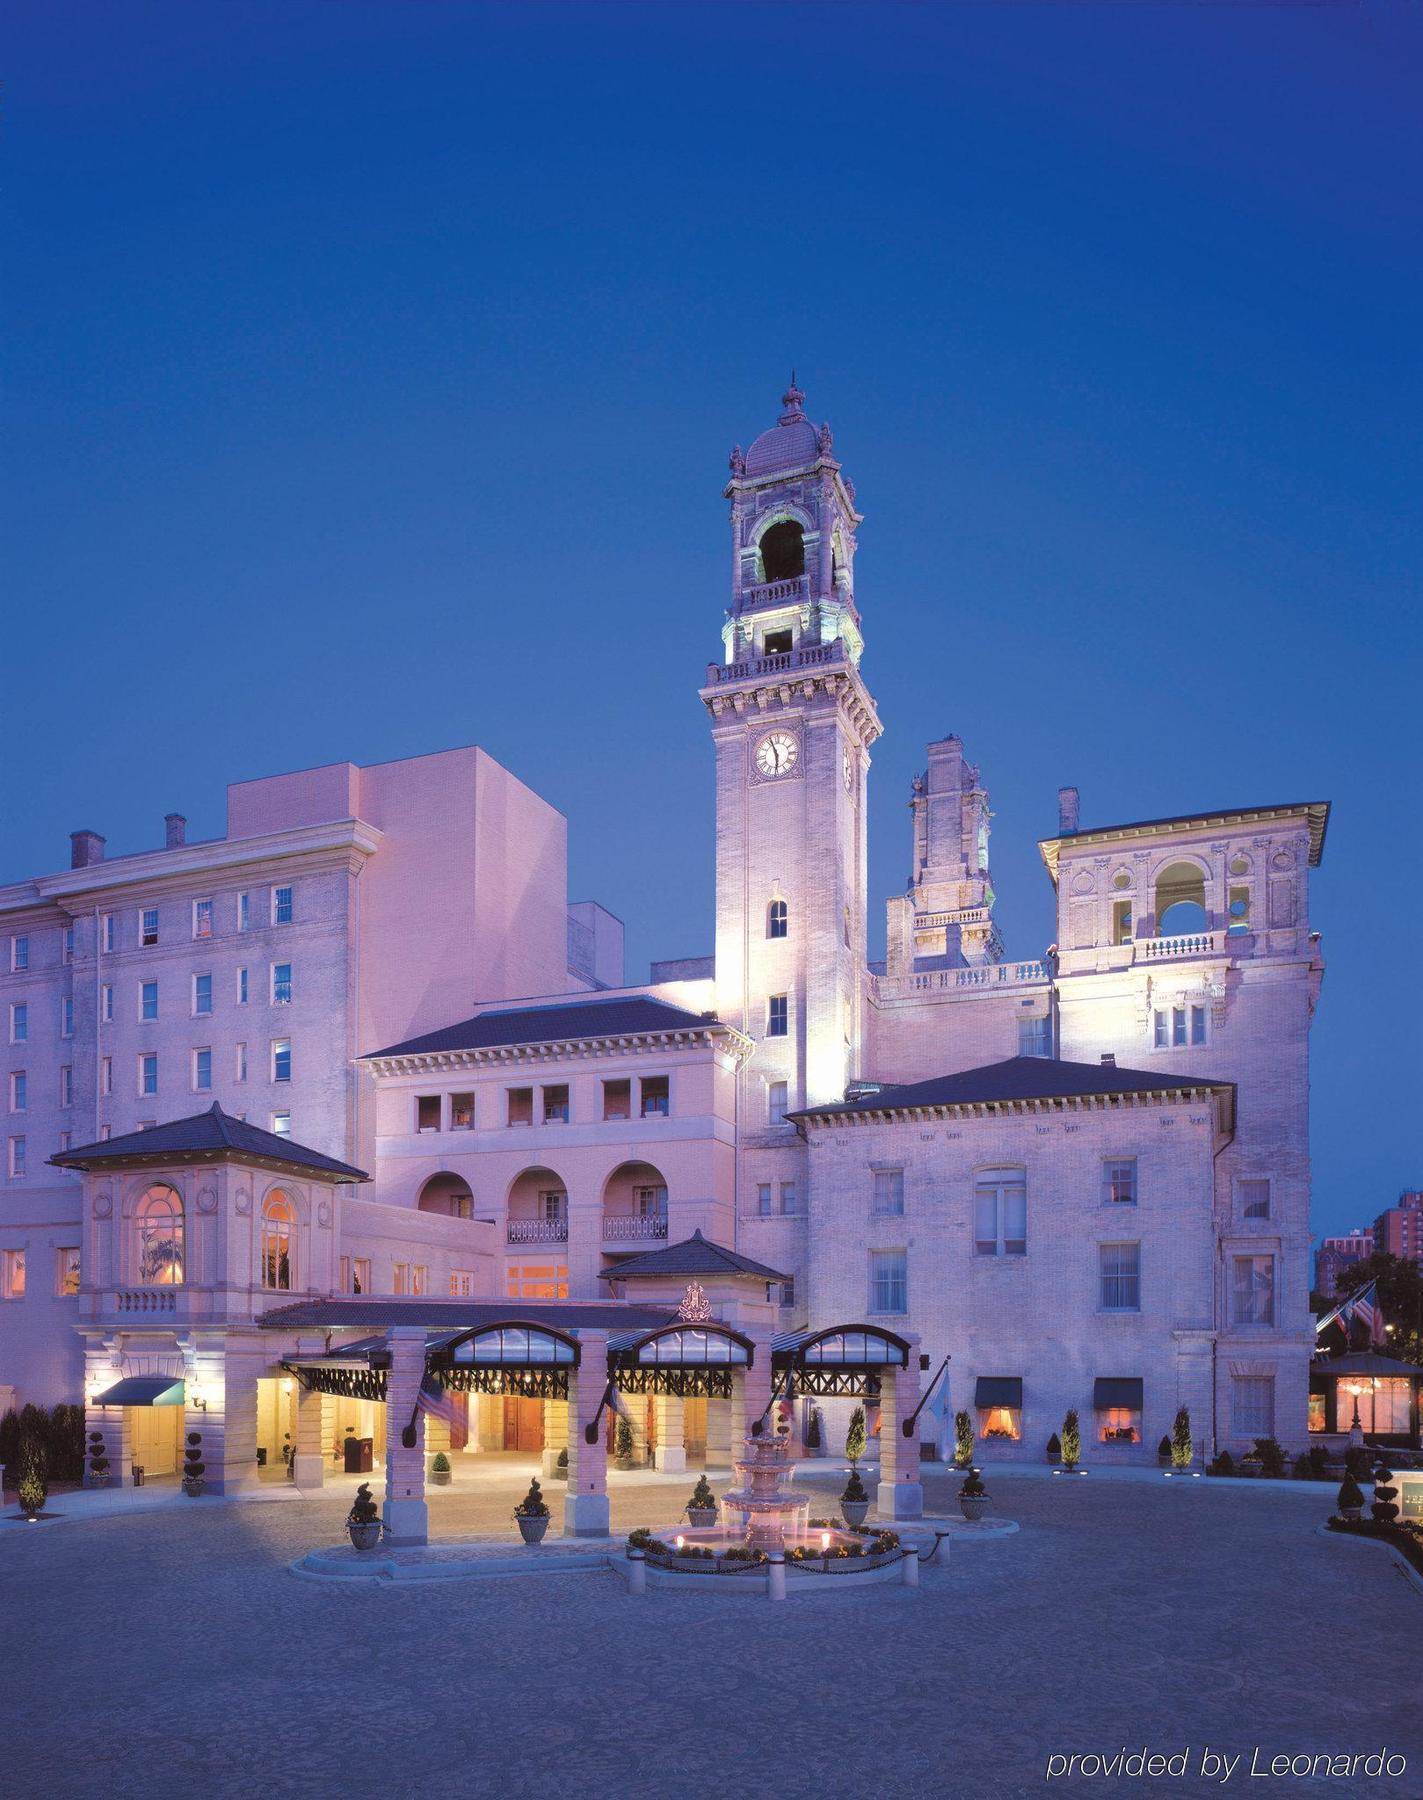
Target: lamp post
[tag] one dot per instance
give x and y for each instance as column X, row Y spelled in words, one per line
column 1356, row 1430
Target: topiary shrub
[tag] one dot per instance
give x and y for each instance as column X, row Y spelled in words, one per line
column 98, row 1460
column 364, row 1510
column 973, row 1488
column 703, row 1499
column 10, row 1439
column 66, row 1443
column 1272, row 1458
column 855, row 1439
column 963, row 1440
column 1054, row 1448
column 193, row 1465
column 1357, row 1463
column 533, row 1504
column 622, row 1444
column 33, row 1485
column 1163, row 1450
column 1351, row 1496
column 1383, row 1507
column 1071, row 1439
column 1224, row 1464
column 440, row 1463
column 855, row 1489
column 1182, row 1448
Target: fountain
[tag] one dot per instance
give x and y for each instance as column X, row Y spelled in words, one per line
column 763, row 1500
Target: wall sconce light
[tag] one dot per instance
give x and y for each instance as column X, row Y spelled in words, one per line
column 198, row 1401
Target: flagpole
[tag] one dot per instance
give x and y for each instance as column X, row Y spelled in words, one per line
column 907, row 1426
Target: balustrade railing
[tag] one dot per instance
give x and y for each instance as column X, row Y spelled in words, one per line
column 538, row 1231
column 776, row 593
column 938, row 981
column 146, row 1300
column 809, row 656
column 1196, row 943
column 621, row 1226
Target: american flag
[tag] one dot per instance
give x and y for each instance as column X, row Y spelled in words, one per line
column 436, row 1402
column 1363, row 1306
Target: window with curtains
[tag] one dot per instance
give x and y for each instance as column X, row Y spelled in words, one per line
column 889, row 1282
column 1252, row 1290
column 1254, row 1198
column 1000, row 1212
column 1252, row 1406
column 1119, row 1277
column 278, row 1221
column 1118, row 1425
column 888, row 1191
column 1119, row 1181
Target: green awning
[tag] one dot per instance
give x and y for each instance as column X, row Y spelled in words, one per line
column 999, row 1390
column 1117, row 1390
column 142, row 1390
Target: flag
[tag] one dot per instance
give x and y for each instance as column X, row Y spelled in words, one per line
column 617, row 1404
column 1369, row 1313
column 936, row 1421
column 436, row 1402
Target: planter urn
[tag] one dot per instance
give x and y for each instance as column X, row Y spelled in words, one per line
column 193, row 1486
column 973, row 1507
column 701, row 1518
column 365, row 1537
column 439, row 1478
column 854, row 1512
column 532, row 1527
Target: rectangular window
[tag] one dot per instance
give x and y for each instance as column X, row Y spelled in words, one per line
column 148, row 1073
column 461, row 1284
column 1000, row 1213
column 1119, row 1277
column 106, row 1075
column 66, row 1271
column 778, row 1015
column 555, row 1104
column 888, row 1191
column 617, row 1099
column 1238, row 908
column 427, row 1112
column 19, row 954
column 889, row 1282
column 244, row 911
column 777, row 1100
column 147, row 926
column 68, row 952
column 13, row 1275
column 656, row 1096
column 202, row 918
column 66, row 1085
column 1121, row 921
column 66, row 1017
column 536, row 1281
column 239, row 1063
column 242, row 987
column 1177, row 1026
column 1252, row 1406
column 400, row 1279
column 419, row 1278
column 763, row 1199
column 19, row 1023
column 281, row 906
column 281, row 984
column 109, row 932
column 66, row 1140
column 281, row 1124
column 553, row 1204
column 1252, row 1290
column 788, row 1291
column 202, row 1071
column 461, row 1112
column 17, row 1158
column 202, row 995
column 1119, row 1180
column 1255, row 1198
column 520, row 1105
column 1118, row 1425
column 790, row 1198
column 359, row 1280
column 281, row 1059
column 1035, row 1037
column 106, row 1003
column 19, row 1090
column 148, row 1000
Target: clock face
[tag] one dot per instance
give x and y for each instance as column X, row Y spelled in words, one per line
column 776, row 754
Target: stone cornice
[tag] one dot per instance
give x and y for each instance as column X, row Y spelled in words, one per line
column 1313, row 813
column 827, row 1117
column 498, row 1056
column 756, row 694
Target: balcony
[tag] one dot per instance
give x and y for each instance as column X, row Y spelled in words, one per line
column 936, row 981
column 1196, row 943
column 537, row 1231
column 776, row 593
column 145, row 1300
column 620, row 1228
column 784, row 662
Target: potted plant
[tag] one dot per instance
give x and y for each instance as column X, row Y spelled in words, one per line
column 1383, row 1506
column 98, row 1460
column 1351, row 1499
column 1054, row 1448
column 622, row 1445
column 1071, row 1441
column 701, row 1508
column 1163, row 1453
column 963, row 1440
column 1181, row 1446
column 363, row 1520
column 560, row 1465
column 33, row 1486
column 440, row 1470
column 973, row 1496
column 855, row 1437
column 532, row 1514
column 193, row 1483
column 854, row 1501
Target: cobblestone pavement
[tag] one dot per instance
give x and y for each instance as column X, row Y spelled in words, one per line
column 173, row 1654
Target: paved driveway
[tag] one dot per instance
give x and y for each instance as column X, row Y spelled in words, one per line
column 170, row 1653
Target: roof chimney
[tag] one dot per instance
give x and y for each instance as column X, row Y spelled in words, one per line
column 1067, row 799
column 1109, row 1059
column 175, row 831
column 85, row 848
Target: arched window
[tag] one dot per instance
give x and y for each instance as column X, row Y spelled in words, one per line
column 783, row 551
column 1180, row 900
column 777, row 919
column 160, row 1238
column 278, row 1218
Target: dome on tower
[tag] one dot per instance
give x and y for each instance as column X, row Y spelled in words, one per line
column 790, row 443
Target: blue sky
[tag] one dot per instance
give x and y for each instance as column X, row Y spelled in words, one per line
column 370, row 372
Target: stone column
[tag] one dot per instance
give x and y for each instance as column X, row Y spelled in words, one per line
column 671, row 1453
column 755, row 1385
column 584, row 1247
column 309, row 1463
column 555, row 1433
column 229, row 1425
column 585, row 1505
column 901, row 1495
column 407, row 1519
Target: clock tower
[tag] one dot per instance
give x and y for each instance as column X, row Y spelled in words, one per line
column 792, row 723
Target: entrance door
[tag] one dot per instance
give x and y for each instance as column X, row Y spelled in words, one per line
column 523, row 1423
column 155, row 1436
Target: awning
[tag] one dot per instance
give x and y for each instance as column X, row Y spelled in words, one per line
column 999, row 1390
column 1117, row 1390
column 142, row 1390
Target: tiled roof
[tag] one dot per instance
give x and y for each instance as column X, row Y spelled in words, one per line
column 1019, row 1078
column 463, row 1315
column 203, row 1137
column 695, row 1255
column 788, row 445
column 559, row 1023
column 1315, row 811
